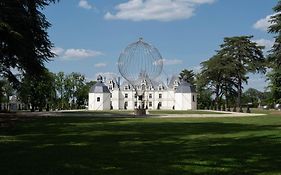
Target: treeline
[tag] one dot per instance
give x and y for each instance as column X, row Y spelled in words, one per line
column 220, row 82
column 49, row 91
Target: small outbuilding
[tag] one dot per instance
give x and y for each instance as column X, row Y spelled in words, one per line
column 185, row 96
column 99, row 96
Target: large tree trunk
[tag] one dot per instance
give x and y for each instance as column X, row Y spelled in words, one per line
column 239, row 95
column 217, row 98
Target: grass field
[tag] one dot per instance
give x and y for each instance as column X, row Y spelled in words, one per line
column 137, row 146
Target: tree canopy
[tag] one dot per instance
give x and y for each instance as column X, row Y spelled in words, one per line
column 25, row 44
column 275, row 56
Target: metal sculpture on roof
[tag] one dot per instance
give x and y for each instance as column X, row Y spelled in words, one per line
column 140, row 60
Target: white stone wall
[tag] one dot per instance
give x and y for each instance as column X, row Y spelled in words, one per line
column 115, row 96
column 170, row 100
column 184, row 101
column 98, row 105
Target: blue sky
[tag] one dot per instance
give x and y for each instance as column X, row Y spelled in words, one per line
column 89, row 35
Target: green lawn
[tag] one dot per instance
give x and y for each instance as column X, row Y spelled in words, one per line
column 125, row 113
column 137, row 146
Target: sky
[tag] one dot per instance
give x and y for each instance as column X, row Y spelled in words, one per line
column 89, row 35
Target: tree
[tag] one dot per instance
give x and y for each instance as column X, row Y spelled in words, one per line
column 60, row 90
column 39, row 91
column 24, row 42
column 275, row 85
column 188, row 75
column 217, row 74
column 275, row 56
column 247, row 57
column 6, row 91
column 204, row 94
column 253, row 96
column 82, row 94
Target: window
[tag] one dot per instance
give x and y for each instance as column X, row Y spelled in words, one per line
column 160, row 95
column 136, row 104
column 150, row 104
column 160, row 104
column 136, row 96
column 193, row 98
column 126, row 95
column 126, row 88
column 150, row 95
column 98, row 99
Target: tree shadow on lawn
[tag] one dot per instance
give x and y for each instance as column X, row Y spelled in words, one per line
column 103, row 114
column 116, row 146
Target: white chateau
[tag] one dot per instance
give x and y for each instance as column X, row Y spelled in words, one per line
column 111, row 94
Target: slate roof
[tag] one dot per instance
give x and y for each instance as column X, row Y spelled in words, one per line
column 99, row 87
column 185, row 87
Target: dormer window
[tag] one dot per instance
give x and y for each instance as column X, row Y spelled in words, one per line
column 126, row 88
column 143, row 87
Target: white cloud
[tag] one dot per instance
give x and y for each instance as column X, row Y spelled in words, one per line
column 68, row 54
column 100, row 65
column 264, row 23
column 168, row 62
column 85, row 4
column 265, row 42
column 172, row 61
column 160, row 10
column 80, row 53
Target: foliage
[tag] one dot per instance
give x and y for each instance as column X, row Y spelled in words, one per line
column 253, row 96
column 23, row 37
column 55, row 91
column 218, row 76
column 246, row 57
column 6, row 90
column 204, row 93
column 39, row 91
column 275, row 56
column 72, row 90
column 188, row 75
column 275, row 85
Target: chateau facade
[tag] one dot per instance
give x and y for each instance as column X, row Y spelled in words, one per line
column 111, row 94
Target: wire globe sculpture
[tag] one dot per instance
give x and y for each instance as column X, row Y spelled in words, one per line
column 140, row 60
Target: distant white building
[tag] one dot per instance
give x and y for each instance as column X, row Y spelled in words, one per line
column 175, row 95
